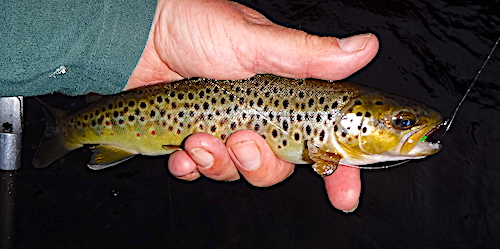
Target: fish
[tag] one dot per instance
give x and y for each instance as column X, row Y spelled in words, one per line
column 305, row 121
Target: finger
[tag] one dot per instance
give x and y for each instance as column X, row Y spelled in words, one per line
column 182, row 166
column 344, row 188
column 255, row 159
column 296, row 54
column 211, row 157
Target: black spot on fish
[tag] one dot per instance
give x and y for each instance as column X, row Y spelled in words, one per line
column 330, row 116
column 85, row 117
column 318, row 118
column 367, row 114
column 364, row 130
column 284, row 142
column 181, row 114
column 297, row 136
column 233, row 126
column 162, row 113
column 223, row 137
column 271, row 116
column 276, row 103
column 137, row 112
column 121, row 121
column 335, row 128
column 110, row 106
column 326, row 108
column 335, row 104
column 299, row 117
column 344, row 99
column 379, row 103
column 174, row 105
column 213, row 128
column 206, row 105
column 264, row 122
column 151, row 101
column 249, row 91
column 180, row 96
column 125, row 109
column 267, row 94
column 143, row 105
column 344, row 134
column 260, row 102
column 116, row 114
column 285, row 125
column 228, row 111
column 285, row 103
column 201, row 94
column 257, row 127
column 231, row 97
column 238, row 89
column 359, row 114
column 131, row 118
column 357, row 102
column 93, row 123
column 274, row 133
column 172, row 94
column 159, row 99
column 301, row 95
column 242, row 100
column 308, row 130
column 191, row 114
column 217, row 112
column 120, row 104
column 252, row 103
column 303, row 106
column 196, row 106
column 222, row 100
column 311, row 102
column 190, row 96
column 322, row 136
column 322, row 100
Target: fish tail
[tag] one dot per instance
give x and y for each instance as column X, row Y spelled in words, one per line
column 52, row 146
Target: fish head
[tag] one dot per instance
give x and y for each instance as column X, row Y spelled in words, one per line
column 377, row 127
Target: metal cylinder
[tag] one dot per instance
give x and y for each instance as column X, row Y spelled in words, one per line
column 11, row 128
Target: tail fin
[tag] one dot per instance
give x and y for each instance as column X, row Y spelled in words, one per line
column 51, row 146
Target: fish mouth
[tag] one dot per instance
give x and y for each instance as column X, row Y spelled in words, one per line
column 421, row 142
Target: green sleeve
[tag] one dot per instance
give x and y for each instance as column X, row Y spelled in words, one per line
column 95, row 44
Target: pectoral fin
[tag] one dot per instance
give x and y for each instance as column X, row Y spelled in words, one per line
column 106, row 156
column 326, row 162
column 171, row 148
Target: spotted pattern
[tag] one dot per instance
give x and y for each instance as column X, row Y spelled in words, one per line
column 286, row 112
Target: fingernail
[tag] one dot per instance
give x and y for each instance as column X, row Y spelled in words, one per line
column 247, row 154
column 352, row 209
column 354, row 43
column 202, row 157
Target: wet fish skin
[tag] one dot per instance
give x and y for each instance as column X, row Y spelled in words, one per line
column 303, row 121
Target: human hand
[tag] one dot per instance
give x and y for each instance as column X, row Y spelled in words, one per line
column 224, row 40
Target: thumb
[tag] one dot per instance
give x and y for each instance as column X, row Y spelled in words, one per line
column 296, row 54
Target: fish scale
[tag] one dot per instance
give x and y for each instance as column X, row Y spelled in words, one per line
column 292, row 116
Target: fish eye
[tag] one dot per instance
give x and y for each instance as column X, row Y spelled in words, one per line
column 403, row 120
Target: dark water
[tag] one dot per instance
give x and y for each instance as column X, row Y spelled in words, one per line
column 430, row 51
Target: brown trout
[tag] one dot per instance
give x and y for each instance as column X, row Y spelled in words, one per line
column 304, row 121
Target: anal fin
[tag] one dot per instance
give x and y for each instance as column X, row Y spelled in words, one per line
column 325, row 162
column 106, row 156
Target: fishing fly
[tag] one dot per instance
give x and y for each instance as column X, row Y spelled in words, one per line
column 444, row 126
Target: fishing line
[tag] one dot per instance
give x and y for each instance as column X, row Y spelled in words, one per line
column 446, row 123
